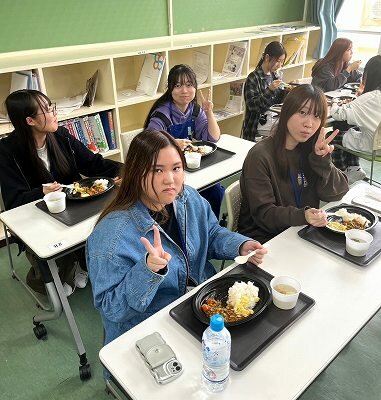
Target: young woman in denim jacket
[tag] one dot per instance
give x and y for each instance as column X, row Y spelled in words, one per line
column 155, row 238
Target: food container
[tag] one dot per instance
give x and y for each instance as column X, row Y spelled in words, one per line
column 193, row 160
column 357, row 242
column 55, row 201
column 285, row 291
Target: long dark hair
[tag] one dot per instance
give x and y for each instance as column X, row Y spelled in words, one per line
column 22, row 104
column 274, row 50
column 294, row 102
column 180, row 73
column 372, row 74
column 141, row 158
column 334, row 56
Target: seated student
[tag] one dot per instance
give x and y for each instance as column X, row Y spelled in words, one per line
column 39, row 151
column 178, row 113
column 285, row 175
column 155, row 238
column 334, row 70
column 365, row 113
column 262, row 90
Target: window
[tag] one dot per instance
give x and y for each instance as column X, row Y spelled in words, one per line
column 360, row 21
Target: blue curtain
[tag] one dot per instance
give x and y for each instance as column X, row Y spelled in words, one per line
column 324, row 14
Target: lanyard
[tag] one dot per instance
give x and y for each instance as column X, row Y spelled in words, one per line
column 298, row 187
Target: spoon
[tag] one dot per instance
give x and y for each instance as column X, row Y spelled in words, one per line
column 243, row 259
column 71, row 186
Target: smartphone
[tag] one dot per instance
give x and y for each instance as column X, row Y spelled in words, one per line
column 159, row 358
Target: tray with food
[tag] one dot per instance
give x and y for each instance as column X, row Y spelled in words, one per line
column 203, row 147
column 253, row 336
column 89, row 188
column 333, row 239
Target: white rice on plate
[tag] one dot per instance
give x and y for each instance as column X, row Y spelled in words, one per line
column 243, row 297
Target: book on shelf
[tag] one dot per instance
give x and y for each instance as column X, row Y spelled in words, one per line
column 200, row 66
column 68, row 124
column 88, row 133
column 150, row 74
column 91, row 89
column 235, row 101
column 294, row 47
column 149, row 78
column 108, row 127
column 98, row 132
column 234, row 58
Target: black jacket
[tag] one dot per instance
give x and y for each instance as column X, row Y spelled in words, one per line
column 20, row 184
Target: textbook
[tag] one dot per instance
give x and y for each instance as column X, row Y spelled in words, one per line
column 88, row 133
column 91, row 89
column 108, row 127
column 294, row 47
column 234, row 58
column 98, row 132
column 151, row 73
column 235, row 101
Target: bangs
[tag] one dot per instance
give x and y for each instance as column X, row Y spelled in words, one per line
column 185, row 77
column 316, row 107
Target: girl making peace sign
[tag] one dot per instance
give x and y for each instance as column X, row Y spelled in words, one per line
column 178, row 113
column 155, row 238
column 289, row 172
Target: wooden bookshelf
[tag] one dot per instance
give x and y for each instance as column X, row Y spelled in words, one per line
column 63, row 72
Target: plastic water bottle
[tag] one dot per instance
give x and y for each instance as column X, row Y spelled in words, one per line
column 216, row 343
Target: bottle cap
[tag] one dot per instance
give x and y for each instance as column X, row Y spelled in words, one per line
column 217, row 322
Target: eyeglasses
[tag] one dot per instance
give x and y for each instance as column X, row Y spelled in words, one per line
column 52, row 108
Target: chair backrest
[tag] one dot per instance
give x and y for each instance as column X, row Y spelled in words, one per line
column 377, row 138
column 233, row 204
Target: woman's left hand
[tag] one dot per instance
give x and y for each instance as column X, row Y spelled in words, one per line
column 322, row 145
column 251, row 245
column 207, row 104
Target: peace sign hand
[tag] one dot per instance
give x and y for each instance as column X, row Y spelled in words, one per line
column 322, row 145
column 157, row 258
column 207, row 104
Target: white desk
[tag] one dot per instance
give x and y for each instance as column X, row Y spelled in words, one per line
column 49, row 238
column 346, row 297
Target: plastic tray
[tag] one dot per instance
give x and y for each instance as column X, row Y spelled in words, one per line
column 251, row 338
column 214, row 158
column 78, row 211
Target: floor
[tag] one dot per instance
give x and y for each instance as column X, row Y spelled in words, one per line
column 32, row 370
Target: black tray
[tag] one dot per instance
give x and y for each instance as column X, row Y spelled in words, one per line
column 335, row 243
column 78, row 211
column 251, row 338
column 214, row 158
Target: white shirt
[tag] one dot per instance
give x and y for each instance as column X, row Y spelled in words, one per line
column 43, row 154
column 364, row 112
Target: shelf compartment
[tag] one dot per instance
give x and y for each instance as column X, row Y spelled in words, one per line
column 70, row 80
column 132, row 117
column 189, row 56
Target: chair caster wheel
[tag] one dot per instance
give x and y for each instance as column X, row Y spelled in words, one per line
column 40, row 332
column 84, row 372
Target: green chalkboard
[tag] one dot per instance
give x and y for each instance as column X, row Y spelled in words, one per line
column 208, row 15
column 36, row 24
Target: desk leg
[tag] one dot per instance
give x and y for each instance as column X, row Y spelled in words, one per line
column 84, row 369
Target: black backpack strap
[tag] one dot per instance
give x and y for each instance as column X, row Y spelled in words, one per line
column 196, row 110
column 167, row 122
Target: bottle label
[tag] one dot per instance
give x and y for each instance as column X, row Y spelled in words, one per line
column 216, row 375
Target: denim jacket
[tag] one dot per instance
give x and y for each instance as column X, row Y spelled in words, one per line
column 125, row 290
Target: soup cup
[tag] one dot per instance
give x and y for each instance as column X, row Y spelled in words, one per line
column 285, row 291
column 357, row 242
column 55, row 201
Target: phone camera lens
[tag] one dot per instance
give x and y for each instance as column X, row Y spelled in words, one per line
column 178, row 368
column 175, row 364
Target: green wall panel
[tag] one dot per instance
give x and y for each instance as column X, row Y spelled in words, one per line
column 36, row 24
column 208, row 15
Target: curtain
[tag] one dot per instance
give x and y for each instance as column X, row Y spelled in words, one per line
column 324, row 14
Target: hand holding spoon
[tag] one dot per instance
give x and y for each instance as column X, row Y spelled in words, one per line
column 244, row 259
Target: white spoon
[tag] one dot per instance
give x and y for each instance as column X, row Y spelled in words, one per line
column 243, row 259
column 71, row 186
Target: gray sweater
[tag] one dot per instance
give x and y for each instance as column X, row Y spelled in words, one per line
column 268, row 199
column 326, row 79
